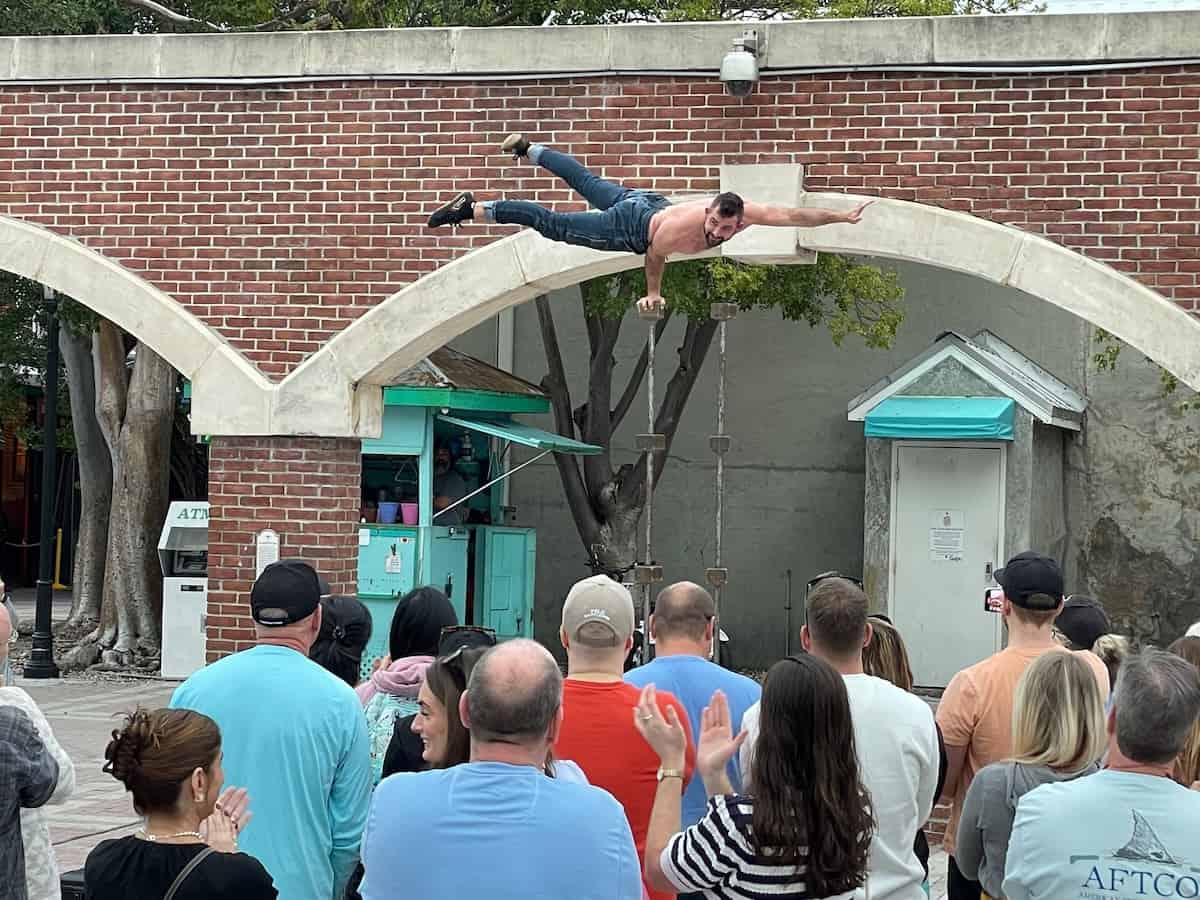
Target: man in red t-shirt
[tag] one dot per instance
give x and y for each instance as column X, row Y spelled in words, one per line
column 598, row 706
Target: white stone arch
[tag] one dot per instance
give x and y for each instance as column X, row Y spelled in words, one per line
column 341, row 381
column 217, row 371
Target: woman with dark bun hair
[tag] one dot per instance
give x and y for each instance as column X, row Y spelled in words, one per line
column 170, row 760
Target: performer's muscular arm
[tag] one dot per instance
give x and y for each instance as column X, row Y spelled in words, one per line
column 655, row 263
column 759, row 214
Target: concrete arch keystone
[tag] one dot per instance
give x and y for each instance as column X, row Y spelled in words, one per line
column 442, row 305
column 217, row 371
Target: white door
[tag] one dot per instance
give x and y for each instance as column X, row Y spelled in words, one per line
column 947, row 515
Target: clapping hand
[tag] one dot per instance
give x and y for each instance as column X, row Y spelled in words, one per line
column 665, row 735
column 229, row 816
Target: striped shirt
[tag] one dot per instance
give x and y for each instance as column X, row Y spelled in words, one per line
column 717, row 858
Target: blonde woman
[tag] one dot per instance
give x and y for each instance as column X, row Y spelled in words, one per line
column 1058, row 735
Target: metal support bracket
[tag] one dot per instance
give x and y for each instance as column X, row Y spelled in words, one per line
column 651, row 315
column 723, row 312
column 718, row 578
column 647, row 574
column 719, row 443
column 651, row 442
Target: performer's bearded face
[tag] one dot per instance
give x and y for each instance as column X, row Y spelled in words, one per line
column 718, row 229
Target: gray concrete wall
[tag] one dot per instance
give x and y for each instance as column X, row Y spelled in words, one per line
column 1125, row 508
column 687, row 47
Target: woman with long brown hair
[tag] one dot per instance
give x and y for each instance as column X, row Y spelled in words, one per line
column 806, row 830
column 170, row 760
column 1187, row 767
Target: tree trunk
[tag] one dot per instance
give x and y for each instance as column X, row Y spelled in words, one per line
column 145, row 452
column 607, row 506
column 95, row 479
column 135, row 416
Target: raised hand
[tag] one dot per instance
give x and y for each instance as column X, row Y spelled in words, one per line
column 229, row 816
column 717, row 743
column 665, row 736
column 855, row 215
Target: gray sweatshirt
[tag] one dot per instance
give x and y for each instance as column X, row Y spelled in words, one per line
column 987, row 817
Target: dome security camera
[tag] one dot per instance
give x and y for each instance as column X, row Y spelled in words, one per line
column 739, row 68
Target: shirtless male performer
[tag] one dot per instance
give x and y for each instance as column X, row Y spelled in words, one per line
column 632, row 221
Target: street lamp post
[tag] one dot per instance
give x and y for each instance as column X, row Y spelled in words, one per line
column 41, row 657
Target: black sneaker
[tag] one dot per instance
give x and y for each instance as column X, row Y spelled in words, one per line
column 460, row 209
column 516, row 145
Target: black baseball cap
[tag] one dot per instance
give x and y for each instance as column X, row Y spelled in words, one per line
column 1032, row 581
column 285, row 592
column 1083, row 621
column 326, row 590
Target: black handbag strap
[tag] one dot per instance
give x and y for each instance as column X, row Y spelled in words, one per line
column 187, row 870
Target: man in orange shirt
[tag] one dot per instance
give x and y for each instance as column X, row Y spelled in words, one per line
column 975, row 713
column 598, row 730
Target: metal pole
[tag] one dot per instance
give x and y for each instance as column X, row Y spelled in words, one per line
column 648, row 588
column 718, row 575
column 41, row 657
column 720, row 524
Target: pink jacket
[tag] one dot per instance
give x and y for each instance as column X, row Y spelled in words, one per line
column 401, row 679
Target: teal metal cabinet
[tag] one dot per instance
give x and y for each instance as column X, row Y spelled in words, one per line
column 448, row 565
column 506, row 559
column 387, row 570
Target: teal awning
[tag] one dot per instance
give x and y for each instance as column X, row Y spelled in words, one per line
column 525, row 435
column 971, row 418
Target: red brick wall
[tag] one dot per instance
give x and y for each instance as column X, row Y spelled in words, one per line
column 280, row 214
column 307, row 490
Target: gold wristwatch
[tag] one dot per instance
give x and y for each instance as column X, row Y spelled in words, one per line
column 669, row 773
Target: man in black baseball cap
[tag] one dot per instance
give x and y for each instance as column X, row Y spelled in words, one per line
column 326, row 590
column 976, row 710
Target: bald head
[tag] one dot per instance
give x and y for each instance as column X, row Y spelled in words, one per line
column 683, row 611
column 514, row 694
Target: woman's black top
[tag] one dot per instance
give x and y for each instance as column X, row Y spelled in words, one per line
column 130, row 868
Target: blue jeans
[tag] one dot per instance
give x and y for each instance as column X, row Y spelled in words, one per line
column 622, row 223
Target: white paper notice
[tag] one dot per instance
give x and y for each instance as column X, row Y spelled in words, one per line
column 947, row 535
column 364, row 537
column 391, row 565
column 266, row 550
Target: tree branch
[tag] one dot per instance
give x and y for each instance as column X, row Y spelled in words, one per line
column 291, row 18
column 171, row 16
column 639, row 373
column 597, row 422
column 555, row 384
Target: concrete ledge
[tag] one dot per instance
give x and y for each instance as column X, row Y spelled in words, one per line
column 1032, row 41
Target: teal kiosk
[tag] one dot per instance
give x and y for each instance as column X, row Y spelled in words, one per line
column 474, row 550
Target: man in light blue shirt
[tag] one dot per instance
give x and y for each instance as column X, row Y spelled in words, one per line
column 294, row 736
column 498, row 827
column 682, row 627
column 1128, row 831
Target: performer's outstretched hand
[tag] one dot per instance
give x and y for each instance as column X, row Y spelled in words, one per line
column 855, row 215
column 651, row 302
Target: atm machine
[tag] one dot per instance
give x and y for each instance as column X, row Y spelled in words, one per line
column 183, row 556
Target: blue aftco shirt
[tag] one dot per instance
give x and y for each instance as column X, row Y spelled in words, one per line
column 500, row 831
column 692, row 680
column 295, row 737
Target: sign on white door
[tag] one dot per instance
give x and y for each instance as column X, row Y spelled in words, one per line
column 947, row 504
